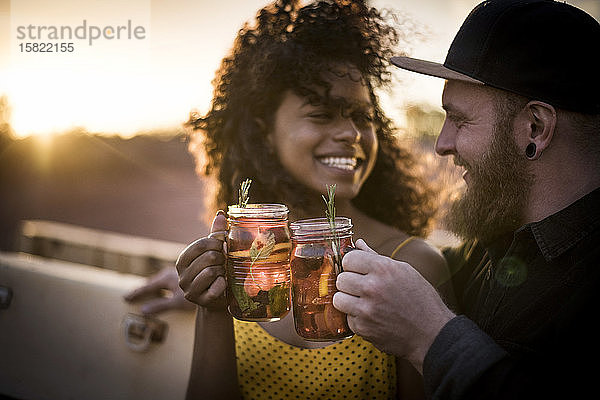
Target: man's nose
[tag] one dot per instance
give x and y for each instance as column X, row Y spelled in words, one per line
column 445, row 143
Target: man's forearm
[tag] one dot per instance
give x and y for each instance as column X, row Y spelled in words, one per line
column 458, row 359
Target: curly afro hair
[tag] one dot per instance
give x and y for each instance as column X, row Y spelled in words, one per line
column 288, row 48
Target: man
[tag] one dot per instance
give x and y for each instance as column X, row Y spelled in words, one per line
column 522, row 101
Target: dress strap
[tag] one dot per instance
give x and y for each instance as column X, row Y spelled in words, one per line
column 401, row 245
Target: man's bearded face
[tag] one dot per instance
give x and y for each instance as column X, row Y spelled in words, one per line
column 499, row 186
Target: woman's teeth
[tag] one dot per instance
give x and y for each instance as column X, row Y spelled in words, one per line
column 346, row 163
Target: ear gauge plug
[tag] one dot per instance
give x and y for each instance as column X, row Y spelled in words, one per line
column 530, row 151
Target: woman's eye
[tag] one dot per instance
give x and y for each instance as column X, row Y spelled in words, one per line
column 362, row 119
column 321, row 116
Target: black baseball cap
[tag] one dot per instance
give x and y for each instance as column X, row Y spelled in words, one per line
column 542, row 49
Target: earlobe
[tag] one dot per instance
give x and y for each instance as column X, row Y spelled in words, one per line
column 530, row 151
column 260, row 123
column 542, row 122
column 262, row 127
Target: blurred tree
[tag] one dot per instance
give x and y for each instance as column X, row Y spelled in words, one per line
column 423, row 122
column 6, row 131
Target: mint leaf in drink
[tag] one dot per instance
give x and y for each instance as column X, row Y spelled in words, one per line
column 279, row 299
column 244, row 301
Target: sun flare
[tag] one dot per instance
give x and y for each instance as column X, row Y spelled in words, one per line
column 125, row 86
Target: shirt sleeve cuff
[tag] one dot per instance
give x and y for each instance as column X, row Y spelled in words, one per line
column 459, row 355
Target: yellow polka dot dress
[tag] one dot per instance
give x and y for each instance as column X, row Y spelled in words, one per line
column 271, row 369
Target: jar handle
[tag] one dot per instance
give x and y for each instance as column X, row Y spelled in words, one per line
column 218, row 235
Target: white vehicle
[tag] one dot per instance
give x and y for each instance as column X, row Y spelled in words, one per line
column 67, row 333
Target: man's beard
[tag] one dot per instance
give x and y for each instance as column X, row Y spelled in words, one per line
column 495, row 199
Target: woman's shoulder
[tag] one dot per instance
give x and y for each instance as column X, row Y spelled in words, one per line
column 380, row 237
column 416, row 251
column 392, row 242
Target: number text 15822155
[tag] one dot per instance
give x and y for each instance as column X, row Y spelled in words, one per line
column 46, row 47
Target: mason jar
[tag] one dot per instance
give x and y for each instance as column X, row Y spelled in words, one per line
column 315, row 262
column 258, row 266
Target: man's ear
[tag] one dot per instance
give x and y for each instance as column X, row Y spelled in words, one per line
column 541, row 123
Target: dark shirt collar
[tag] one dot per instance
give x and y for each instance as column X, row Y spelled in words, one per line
column 557, row 233
column 560, row 231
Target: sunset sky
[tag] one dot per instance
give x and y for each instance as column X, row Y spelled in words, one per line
column 126, row 84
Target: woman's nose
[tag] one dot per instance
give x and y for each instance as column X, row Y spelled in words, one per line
column 347, row 131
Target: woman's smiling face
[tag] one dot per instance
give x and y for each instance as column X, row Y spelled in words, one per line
column 330, row 143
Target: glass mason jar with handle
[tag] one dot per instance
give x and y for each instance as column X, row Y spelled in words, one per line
column 315, row 262
column 257, row 267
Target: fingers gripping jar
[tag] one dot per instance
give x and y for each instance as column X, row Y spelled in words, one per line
column 257, row 267
column 315, row 262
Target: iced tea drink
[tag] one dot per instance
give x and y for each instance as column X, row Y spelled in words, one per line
column 315, row 262
column 257, row 267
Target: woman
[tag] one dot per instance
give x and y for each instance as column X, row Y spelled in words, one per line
column 294, row 109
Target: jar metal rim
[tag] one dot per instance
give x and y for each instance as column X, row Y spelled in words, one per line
column 259, row 210
column 316, row 226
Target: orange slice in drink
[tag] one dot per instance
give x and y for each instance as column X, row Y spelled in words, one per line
column 279, row 253
column 325, row 276
column 335, row 320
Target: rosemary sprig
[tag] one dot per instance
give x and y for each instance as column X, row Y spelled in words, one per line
column 330, row 205
column 269, row 241
column 330, row 214
column 243, row 193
